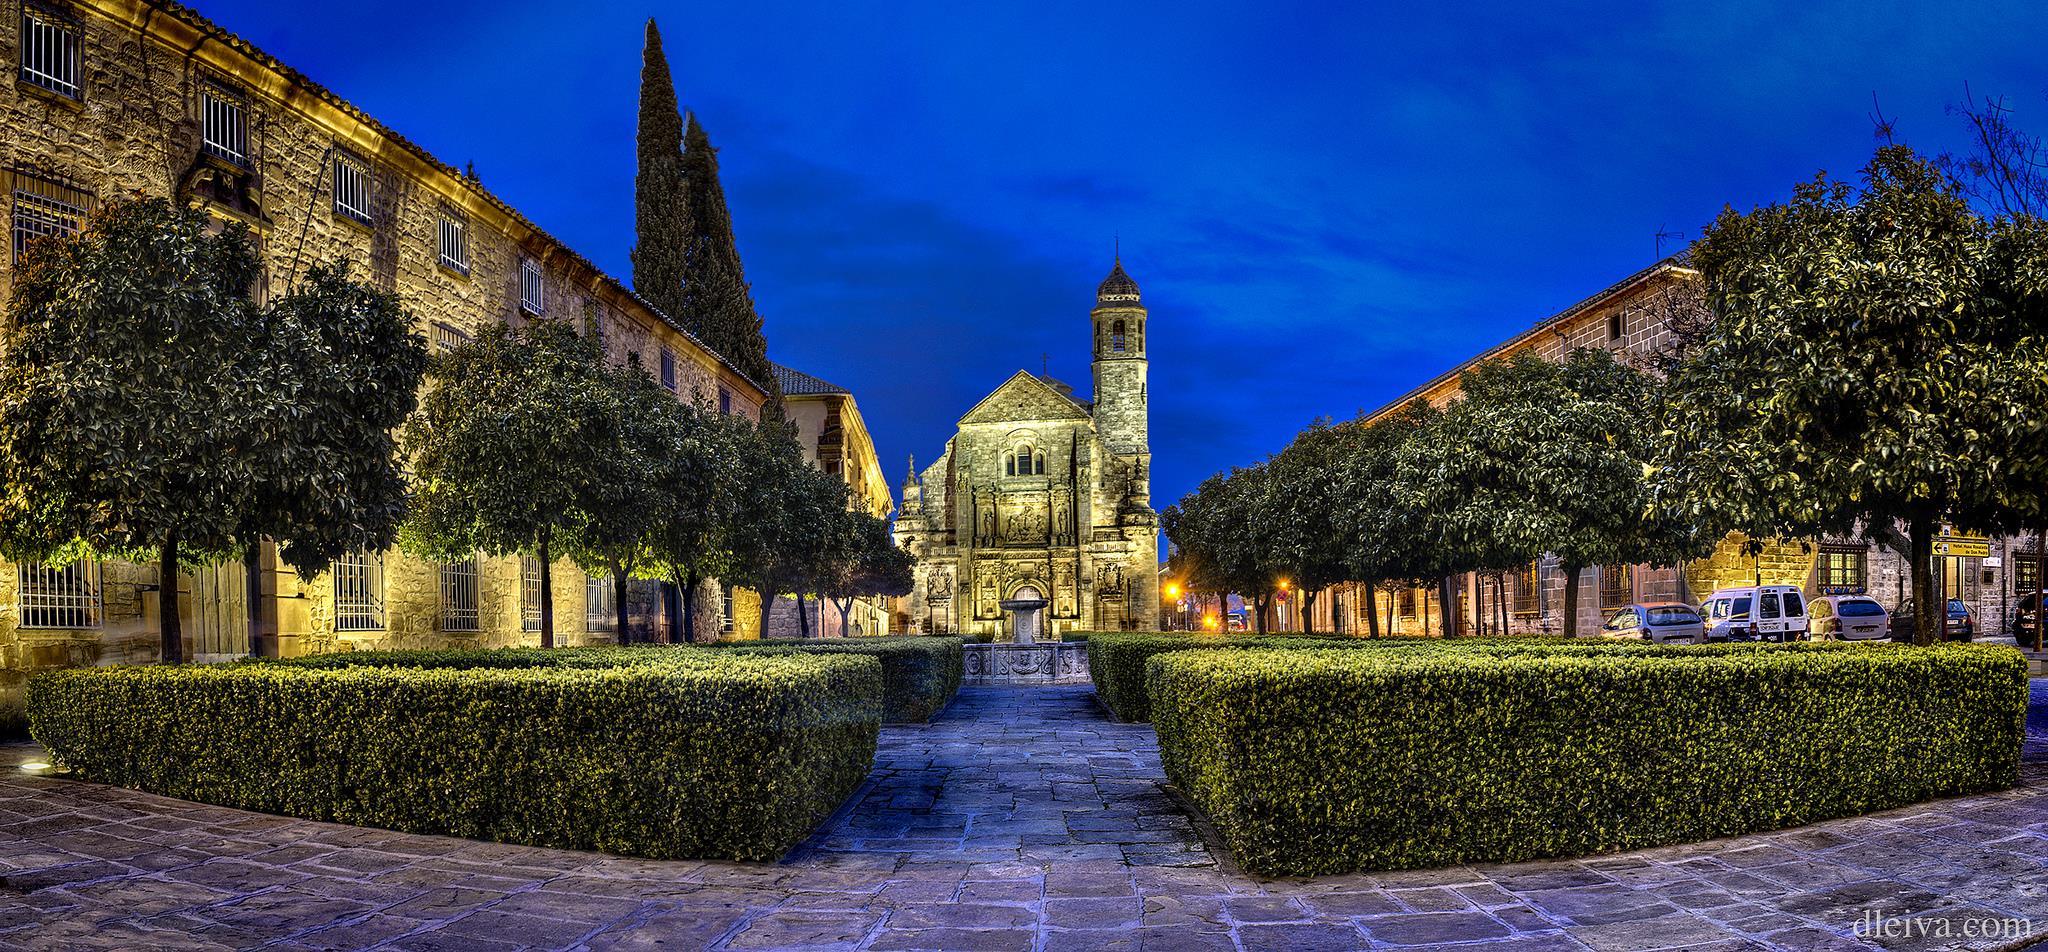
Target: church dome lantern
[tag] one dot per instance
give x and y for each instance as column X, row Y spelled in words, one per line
column 1118, row 289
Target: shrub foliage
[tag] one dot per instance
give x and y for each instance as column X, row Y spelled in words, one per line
column 677, row 754
column 1116, row 660
column 919, row 675
column 1314, row 762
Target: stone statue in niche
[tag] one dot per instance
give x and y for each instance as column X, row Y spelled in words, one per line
column 987, row 606
column 1063, row 591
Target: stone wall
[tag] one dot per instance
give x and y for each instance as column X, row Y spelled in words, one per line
column 135, row 130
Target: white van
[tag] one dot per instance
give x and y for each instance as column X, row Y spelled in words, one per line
column 1756, row 613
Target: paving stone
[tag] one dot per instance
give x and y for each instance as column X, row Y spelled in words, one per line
column 1017, row 819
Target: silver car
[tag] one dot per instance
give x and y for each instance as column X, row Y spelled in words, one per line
column 1660, row 622
column 1849, row 617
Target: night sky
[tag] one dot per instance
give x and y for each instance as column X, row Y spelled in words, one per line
column 1325, row 204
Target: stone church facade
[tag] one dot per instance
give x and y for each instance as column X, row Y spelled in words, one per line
column 1042, row 497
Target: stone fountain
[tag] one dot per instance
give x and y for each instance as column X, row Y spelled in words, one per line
column 1023, row 659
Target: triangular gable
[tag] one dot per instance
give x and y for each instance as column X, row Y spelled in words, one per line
column 1024, row 398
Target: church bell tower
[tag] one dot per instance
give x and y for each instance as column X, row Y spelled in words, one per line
column 1120, row 365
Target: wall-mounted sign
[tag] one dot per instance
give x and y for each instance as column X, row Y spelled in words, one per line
column 1963, row 547
column 1993, row 562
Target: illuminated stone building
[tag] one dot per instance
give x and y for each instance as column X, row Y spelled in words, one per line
column 1040, row 497
column 108, row 98
column 835, row 439
column 1635, row 318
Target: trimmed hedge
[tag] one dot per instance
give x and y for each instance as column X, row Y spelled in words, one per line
column 689, row 755
column 1116, row 660
column 1314, row 762
column 919, row 675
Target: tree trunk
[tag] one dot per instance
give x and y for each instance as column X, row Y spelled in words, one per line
column 686, row 590
column 1372, row 609
column 1259, row 614
column 1446, row 601
column 252, row 589
column 168, row 623
column 767, row 609
column 1928, row 618
column 1571, row 601
column 625, row 637
column 1390, row 612
column 845, row 606
column 803, row 619
column 547, row 597
column 1308, row 612
column 2040, row 583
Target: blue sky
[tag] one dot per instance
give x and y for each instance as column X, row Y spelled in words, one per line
column 1325, row 203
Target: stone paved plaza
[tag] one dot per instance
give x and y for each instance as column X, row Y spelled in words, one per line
column 1020, row 819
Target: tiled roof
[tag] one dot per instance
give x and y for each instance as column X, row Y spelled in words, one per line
column 796, row 383
column 214, row 31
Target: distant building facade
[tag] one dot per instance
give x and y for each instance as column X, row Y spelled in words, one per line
column 112, row 98
column 1042, row 498
column 1635, row 318
column 835, row 439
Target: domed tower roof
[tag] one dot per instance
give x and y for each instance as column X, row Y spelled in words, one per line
column 1118, row 288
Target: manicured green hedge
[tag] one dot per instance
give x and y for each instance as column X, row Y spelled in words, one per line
column 919, row 675
column 1116, row 660
column 677, row 754
column 1314, row 762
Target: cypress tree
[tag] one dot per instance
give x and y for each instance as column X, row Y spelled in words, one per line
column 717, row 304
column 660, row 196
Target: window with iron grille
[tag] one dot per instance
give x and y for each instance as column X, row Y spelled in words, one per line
column 530, row 291
column 359, row 591
column 454, row 242
column 1525, row 586
column 1406, row 605
column 600, row 604
column 529, row 593
column 53, row 597
column 1617, row 586
column 668, row 368
column 1840, row 570
column 43, row 208
column 224, row 130
column 459, row 583
column 447, row 338
column 351, row 187
column 49, row 52
column 725, row 611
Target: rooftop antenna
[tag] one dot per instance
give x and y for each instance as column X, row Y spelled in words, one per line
column 1663, row 234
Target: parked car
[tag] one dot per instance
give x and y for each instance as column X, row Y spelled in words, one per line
column 1848, row 618
column 1661, row 622
column 1957, row 624
column 1756, row 613
column 2023, row 614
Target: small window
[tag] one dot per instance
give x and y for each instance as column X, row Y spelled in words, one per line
column 531, row 296
column 351, row 187
column 668, row 369
column 1617, row 586
column 454, row 242
column 224, row 130
column 1117, row 337
column 724, row 400
column 459, row 596
column 43, row 208
column 529, row 593
column 1793, row 606
column 49, row 52
column 67, row 597
column 359, row 592
column 600, row 604
column 1525, row 589
column 1614, row 326
column 1841, row 570
column 447, row 338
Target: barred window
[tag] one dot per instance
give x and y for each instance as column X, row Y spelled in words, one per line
column 454, row 241
column 1842, row 569
column 724, row 400
column 725, row 610
column 67, row 597
column 529, row 593
column 668, row 368
column 1405, row 605
column 459, row 596
column 49, row 52
column 43, row 208
column 224, row 131
column 600, row 604
column 530, row 290
column 447, row 338
column 359, row 591
column 351, row 187
column 1526, row 583
column 1617, row 586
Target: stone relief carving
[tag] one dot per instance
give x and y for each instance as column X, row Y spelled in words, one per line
column 1063, row 592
